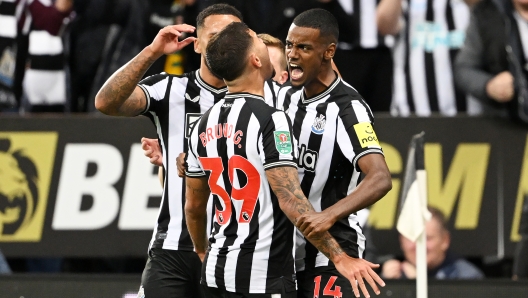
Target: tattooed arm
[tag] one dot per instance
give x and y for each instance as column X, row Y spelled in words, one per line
column 285, row 184
column 196, row 196
column 120, row 95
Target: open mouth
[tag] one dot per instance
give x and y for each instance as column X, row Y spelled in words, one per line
column 296, row 72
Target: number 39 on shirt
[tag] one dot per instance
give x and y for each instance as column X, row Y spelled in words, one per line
column 248, row 194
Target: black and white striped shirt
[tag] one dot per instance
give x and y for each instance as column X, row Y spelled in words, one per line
column 10, row 11
column 334, row 130
column 424, row 54
column 252, row 244
column 357, row 24
column 174, row 104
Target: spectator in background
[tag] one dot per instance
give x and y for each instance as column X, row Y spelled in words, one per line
column 44, row 83
column 17, row 18
column 277, row 55
column 165, row 13
column 441, row 264
column 105, row 35
column 429, row 35
column 492, row 65
column 363, row 56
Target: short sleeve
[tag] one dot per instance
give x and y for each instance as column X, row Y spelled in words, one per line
column 356, row 136
column 193, row 165
column 155, row 89
column 278, row 144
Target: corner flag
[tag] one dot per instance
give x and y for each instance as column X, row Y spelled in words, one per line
column 414, row 213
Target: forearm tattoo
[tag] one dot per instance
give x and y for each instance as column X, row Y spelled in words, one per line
column 294, row 203
column 121, row 84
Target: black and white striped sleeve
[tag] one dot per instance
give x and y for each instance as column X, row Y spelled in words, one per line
column 355, row 133
column 155, row 89
column 193, row 166
column 277, row 142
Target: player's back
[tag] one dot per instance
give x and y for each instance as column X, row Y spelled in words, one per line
column 251, row 246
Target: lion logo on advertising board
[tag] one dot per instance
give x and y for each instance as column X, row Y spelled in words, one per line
column 26, row 167
column 18, row 189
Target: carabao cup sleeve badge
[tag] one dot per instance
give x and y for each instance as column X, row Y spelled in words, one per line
column 283, row 142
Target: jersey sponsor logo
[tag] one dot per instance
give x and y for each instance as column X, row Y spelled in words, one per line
column 26, row 164
column 319, row 125
column 366, row 135
column 283, row 142
column 195, row 99
column 307, row 158
column 190, row 121
column 221, row 130
column 430, row 36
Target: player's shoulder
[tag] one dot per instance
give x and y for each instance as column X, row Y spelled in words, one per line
column 351, row 104
column 345, row 91
column 165, row 77
column 286, row 92
column 258, row 106
column 346, row 95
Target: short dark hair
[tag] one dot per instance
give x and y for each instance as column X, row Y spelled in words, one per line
column 217, row 9
column 226, row 52
column 321, row 20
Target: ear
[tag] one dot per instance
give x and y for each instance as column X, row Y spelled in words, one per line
column 255, row 60
column 446, row 240
column 197, row 46
column 283, row 77
column 330, row 51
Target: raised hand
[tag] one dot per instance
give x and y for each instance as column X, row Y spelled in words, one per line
column 167, row 41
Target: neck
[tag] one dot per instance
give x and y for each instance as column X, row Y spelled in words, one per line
column 323, row 80
column 251, row 82
column 521, row 9
column 209, row 77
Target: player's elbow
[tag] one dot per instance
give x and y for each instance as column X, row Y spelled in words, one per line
column 101, row 104
column 384, row 183
column 191, row 208
column 195, row 208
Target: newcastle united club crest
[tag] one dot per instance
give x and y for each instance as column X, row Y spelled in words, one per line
column 319, row 125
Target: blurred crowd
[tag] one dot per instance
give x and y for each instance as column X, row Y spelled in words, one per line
column 405, row 57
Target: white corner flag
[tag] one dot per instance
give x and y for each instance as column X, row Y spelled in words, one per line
column 413, row 212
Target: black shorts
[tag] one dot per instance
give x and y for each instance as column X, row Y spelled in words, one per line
column 171, row 273
column 218, row 293
column 322, row 282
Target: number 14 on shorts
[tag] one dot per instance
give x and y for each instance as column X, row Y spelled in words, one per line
column 327, row 291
